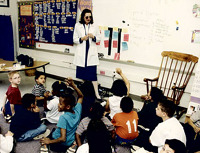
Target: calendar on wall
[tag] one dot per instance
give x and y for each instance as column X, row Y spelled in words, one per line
column 55, row 20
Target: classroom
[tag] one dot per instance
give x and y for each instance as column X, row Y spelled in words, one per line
column 134, row 36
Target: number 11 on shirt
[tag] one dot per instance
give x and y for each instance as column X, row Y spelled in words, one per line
column 129, row 126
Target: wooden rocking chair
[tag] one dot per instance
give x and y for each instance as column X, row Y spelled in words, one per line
column 173, row 76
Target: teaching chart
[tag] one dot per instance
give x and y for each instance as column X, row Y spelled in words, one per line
column 55, row 20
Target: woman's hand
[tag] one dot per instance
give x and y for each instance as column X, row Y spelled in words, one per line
column 90, row 35
column 84, row 38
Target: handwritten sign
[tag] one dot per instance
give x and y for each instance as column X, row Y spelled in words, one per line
column 26, row 10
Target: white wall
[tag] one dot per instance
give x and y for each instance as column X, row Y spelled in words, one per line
column 60, row 64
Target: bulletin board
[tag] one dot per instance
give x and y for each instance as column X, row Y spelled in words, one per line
column 26, row 25
column 55, row 20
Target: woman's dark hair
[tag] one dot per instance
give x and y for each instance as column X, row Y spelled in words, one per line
column 119, row 88
column 176, row 145
column 168, row 107
column 82, row 21
column 87, row 88
column 27, row 100
column 38, row 74
column 126, row 104
column 98, row 137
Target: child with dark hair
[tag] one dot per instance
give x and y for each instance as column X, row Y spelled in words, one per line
column 170, row 128
column 52, row 113
column 126, row 123
column 119, row 89
column 26, row 123
column 148, row 111
column 39, row 90
column 98, row 138
column 87, row 89
column 96, row 112
column 64, row 135
column 173, row 146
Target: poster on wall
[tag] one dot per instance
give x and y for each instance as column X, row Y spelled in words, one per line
column 194, row 104
column 4, row 3
column 26, row 25
column 55, row 20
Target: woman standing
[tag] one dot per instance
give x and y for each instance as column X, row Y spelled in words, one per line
column 86, row 34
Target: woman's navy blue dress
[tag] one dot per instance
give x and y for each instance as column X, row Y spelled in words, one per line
column 88, row 72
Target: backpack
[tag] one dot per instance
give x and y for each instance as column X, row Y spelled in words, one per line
column 25, row 60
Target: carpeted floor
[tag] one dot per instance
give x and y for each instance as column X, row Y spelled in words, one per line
column 24, row 147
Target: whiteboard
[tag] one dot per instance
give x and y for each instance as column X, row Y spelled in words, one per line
column 152, row 27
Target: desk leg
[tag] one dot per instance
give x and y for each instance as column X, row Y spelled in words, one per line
column 44, row 69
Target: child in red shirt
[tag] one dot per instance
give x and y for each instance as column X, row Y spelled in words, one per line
column 126, row 123
column 13, row 95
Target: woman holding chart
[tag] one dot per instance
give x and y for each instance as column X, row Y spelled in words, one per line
column 86, row 34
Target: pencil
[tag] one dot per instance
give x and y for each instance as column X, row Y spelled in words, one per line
column 195, row 136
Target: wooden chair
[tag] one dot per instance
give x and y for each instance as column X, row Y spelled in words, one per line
column 173, row 76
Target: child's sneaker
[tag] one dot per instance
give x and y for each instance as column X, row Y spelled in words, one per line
column 45, row 134
column 44, row 149
column 73, row 148
column 8, row 118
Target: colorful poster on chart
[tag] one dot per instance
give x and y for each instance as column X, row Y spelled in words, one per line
column 115, row 42
column 106, row 33
column 115, row 35
column 126, row 37
column 196, row 10
column 124, row 46
column 196, row 36
column 106, row 43
column 83, row 4
column 117, row 56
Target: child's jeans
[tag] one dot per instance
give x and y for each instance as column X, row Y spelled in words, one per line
column 29, row 135
column 8, row 109
column 124, row 142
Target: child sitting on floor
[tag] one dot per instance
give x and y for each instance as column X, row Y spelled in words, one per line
column 170, row 128
column 87, row 89
column 126, row 123
column 26, row 123
column 52, row 113
column 39, row 90
column 96, row 112
column 6, row 143
column 192, row 131
column 98, row 138
column 64, row 135
column 13, row 95
column 119, row 89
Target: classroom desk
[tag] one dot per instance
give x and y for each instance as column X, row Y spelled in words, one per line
column 37, row 64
